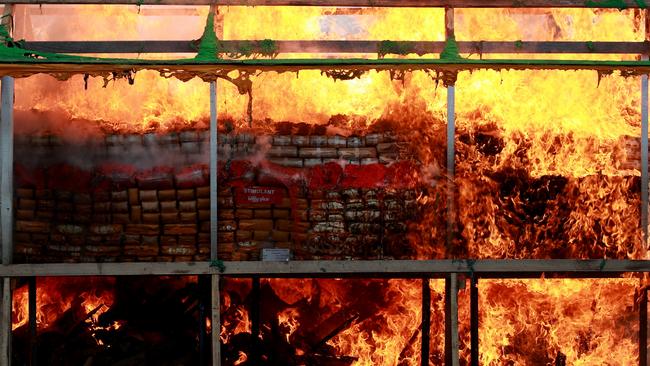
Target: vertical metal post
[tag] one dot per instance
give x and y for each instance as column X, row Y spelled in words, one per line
column 643, row 310
column 213, row 172
column 451, row 135
column 215, row 296
column 451, row 282
column 643, row 328
column 6, row 212
column 6, row 200
column 216, row 321
column 426, row 321
column 451, row 153
column 451, row 320
column 214, row 293
column 644, row 160
column 474, row 321
column 7, row 163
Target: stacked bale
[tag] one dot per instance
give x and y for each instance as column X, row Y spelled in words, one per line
column 156, row 216
column 117, row 212
column 304, row 151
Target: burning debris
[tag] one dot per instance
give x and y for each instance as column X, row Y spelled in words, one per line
column 542, row 177
column 106, row 321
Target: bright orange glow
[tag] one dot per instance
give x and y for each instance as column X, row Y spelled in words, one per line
column 90, row 296
column 541, row 172
column 590, row 322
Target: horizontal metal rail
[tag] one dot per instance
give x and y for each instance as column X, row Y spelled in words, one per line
column 620, row 4
column 340, row 46
column 396, row 268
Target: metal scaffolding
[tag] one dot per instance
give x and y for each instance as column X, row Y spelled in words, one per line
column 424, row 269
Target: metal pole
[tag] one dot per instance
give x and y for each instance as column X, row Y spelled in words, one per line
column 6, row 200
column 214, row 293
column 451, row 320
column 644, row 160
column 451, row 284
column 451, row 152
column 426, row 322
column 215, row 297
column 216, row 321
column 451, row 134
column 7, row 163
column 474, row 321
column 213, row 172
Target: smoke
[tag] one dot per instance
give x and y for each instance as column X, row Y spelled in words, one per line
column 49, row 138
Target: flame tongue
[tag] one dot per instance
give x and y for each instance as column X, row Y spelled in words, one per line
column 84, row 298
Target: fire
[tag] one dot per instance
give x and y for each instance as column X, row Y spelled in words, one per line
column 358, row 322
column 584, row 321
column 236, row 319
column 588, row 322
column 383, row 338
column 540, row 173
column 55, row 296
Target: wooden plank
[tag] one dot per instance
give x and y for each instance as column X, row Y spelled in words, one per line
column 377, row 268
column 341, row 46
column 362, row 3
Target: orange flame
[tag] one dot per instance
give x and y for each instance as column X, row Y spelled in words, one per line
column 54, row 297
